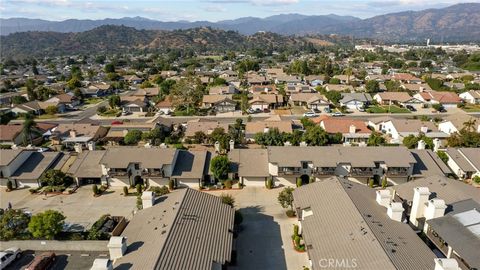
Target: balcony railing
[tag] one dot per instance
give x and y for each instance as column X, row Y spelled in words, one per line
column 397, row 172
column 118, row 173
column 152, row 173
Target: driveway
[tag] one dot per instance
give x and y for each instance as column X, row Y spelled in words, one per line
column 80, row 208
column 264, row 241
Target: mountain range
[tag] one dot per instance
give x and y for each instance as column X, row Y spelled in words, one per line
column 457, row 23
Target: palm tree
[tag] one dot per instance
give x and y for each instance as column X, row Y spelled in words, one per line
column 348, row 72
column 28, row 127
column 470, row 124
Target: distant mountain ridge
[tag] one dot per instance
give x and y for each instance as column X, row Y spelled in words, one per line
column 459, row 22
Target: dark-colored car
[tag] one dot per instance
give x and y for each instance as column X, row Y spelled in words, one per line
column 411, row 108
column 42, row 262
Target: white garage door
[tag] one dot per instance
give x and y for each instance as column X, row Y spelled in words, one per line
column 254, row 181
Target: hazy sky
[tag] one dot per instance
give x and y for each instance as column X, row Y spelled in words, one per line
column 211, row 10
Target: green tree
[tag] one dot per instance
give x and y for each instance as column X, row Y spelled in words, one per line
column 376, row 139
column 133, row 137
column 333, row 96
column 285, row 198
column 13, row 224
column 199, row 137
column 109, row 68
column 316, row 136
column 52, row 109
column 187, row 93
column 55, row 178
column 28, row 129
column 411, row 141
column 46, row 225
column 114, row 101
column 372, row 86
column 220, row 167
column 19, row 99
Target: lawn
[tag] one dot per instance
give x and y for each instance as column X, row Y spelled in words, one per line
column 89, row 101
column 47, row 116
column 111, row 113
column 471, row 108
column 387, row 109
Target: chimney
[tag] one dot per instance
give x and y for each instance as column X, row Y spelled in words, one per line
column 421, row 145
column 303, row 144
column 117, row 247
column 352, row 129
column 73, row 133
column 435, row 209
column 436, row 144
column 420, row 197
column 424, row 129
column 125, row 132
column 446, row 264
column 395, row 211
column 232, row 144
column 91, row 146
column 148, row 199
column 78, row 148
column 102, row 264
column 383, row 197
column 265, row 130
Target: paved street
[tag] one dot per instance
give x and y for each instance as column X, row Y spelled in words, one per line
column 80, row 208
column 265, row 239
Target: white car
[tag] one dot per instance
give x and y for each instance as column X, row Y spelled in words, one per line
column 309, row 114
column 8, row 256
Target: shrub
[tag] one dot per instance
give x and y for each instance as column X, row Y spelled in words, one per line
column 139, row 202
column 101, row 109
column 476, row 179
column 125, row 191
column 269, row 183
column 384, row 182
column 95, row 189
column 370, row 183
column 311, row 180
column 240, row 185
column 32, row 191
column 228, row 199
column 297, row 241
column 9, row 185
column 139, row 188
column 290, row 213
column 228, row 184
column 171, row 184
column 295, row 230
column 159, row 191
column 299, row 182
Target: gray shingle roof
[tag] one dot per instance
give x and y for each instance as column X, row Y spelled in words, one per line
column 87, row 165
column 191, row 164
column 188, row 229
column 120, row 157
column 457, row 234
column 353, row 225
column 428, row 164
column 250, row 162
column 36, row 164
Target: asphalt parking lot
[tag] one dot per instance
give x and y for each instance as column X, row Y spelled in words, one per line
column 72, row 260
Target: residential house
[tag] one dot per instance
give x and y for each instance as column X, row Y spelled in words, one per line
column 265, row 101
column 446, row 99
column 455, row 85
column 298, row 88
column 255, row 79
column 117, row 133
column 24, row 168
column 354, row 101
column 353, row 222
column 315, row 80
column 134, row 79
column 381, row 78
column 65, row 101
column 165, row 106
column 192, row 169
column 222, row 90
column 309, row 100
column 181, row 221
column 168, row 73
column 345, row 79
column 339, row 87
column 203, row 125
column 455, row 122
column 416, row 87
column 444, row 208
column 86, row 168
column 147, row 93
column 249, row 166
column 80, row 134
column 263, row 89
column 11, row 134
column 129, row 166
column 220, row 103
column 472, row 96
column 31, row 107
column 287, row 79
column 398, row 98
column 97, row 90
column 398, row 129
column 464, row 162
column 406, row 78
column 274, row 73
column 274, row 122
column 133, row 104
column 353, row 131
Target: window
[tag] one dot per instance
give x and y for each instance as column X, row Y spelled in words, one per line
column 304, row 165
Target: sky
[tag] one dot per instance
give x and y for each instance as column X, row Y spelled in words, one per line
column 210, row 10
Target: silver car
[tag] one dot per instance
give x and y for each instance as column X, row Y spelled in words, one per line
column 8, row 256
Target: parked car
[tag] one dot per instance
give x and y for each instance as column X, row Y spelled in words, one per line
column 337, row 114
column 124, row 113
column 250, row 111
column 8, row 256
column 266, row 110
column 316, row 110
column 442, row 110
column 42, row 262
column 327, row 110
column 309, row 114
column 361, row 109
column 258, row 110
column 411, row 108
